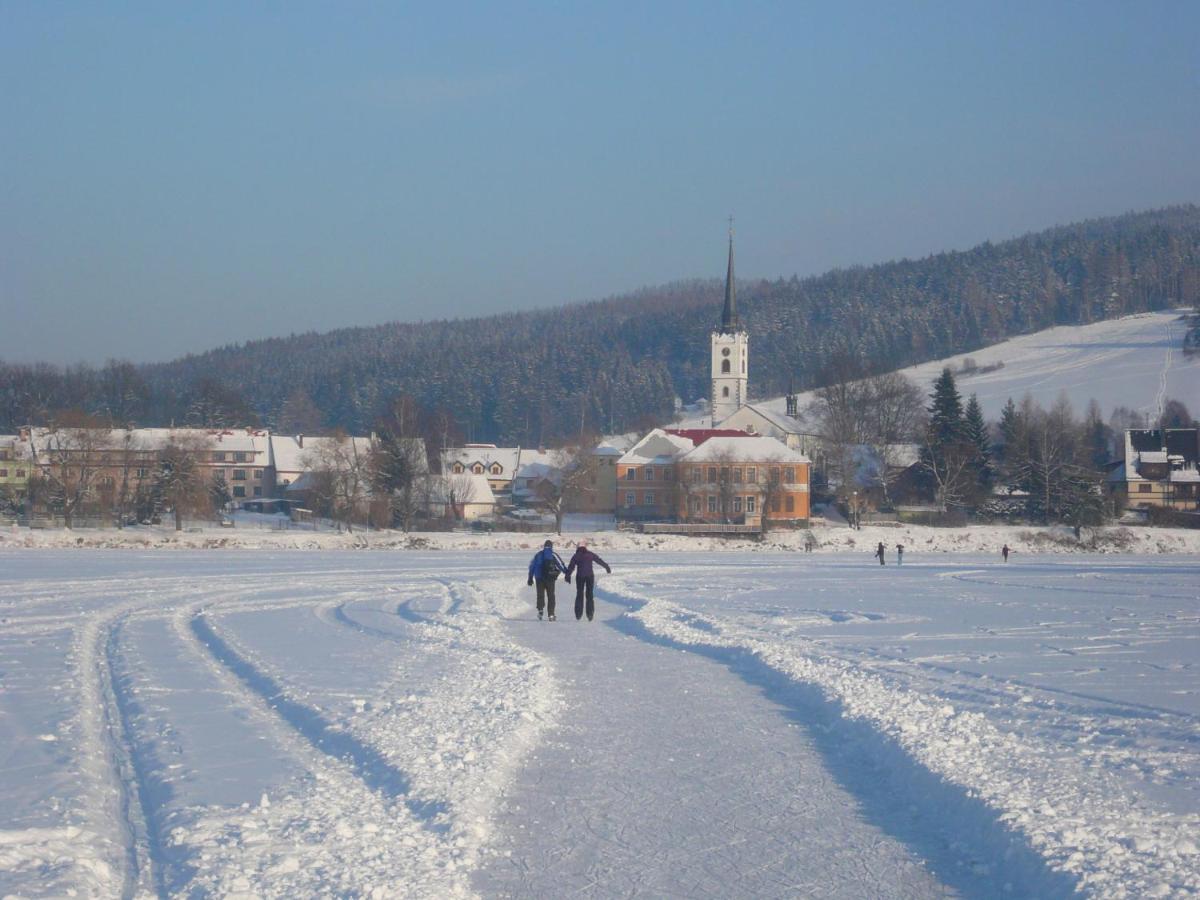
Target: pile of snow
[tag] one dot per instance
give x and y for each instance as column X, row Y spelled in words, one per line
column 917, row 540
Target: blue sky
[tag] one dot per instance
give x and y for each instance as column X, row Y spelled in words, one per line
column 179, row 176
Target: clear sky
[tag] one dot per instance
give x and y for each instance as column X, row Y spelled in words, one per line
column 179, row 176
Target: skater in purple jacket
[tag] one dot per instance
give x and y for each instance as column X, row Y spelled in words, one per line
column 586, row 579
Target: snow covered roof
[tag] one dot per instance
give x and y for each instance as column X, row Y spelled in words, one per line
column 509, row 458
column 1190, row 476
column 657, row 448
column 299, row 453
column 750, row 449
column 615, row 444
column 774, row 419
column 1152, row 456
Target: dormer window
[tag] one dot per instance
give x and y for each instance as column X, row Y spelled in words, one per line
column 497, row 469
column 458, row 468
column 477, row 468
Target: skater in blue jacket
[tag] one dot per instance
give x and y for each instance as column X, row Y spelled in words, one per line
column 544, row 568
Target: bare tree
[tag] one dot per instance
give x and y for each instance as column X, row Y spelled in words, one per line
column 949, row 469
column 572, row 473
column 341, row 475
column 72, row 459
column 180, row 479
column 459, row 490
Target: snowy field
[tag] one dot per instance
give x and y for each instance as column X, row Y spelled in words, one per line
column 744, row 724
column 1136, row 361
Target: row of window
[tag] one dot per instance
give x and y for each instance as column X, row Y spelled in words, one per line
column 712, row 502
column 232, row 456
column 717, row 474
column 240, row 491
column 20, row 473
column 478, row 469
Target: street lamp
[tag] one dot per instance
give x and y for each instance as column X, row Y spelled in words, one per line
column 854, row 510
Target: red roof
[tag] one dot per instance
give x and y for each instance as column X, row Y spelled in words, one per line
column 699, row 435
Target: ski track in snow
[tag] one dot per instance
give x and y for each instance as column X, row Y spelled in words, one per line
column 402, row 726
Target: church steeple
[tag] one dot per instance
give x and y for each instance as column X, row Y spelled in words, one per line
column 729, row 318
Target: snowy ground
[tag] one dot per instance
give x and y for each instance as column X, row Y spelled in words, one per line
column 282, row 723
column 1136, row 361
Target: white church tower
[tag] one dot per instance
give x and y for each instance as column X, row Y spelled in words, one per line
column 730, row 353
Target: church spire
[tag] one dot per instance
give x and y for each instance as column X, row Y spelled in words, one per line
column 729, row 318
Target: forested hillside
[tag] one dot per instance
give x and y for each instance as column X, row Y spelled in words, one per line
column 611, row 364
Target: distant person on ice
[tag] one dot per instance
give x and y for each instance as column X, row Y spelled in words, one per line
column 899, row 554
column 879, row 551
column 1004, row 551
column 586, row 579
column 544, row 568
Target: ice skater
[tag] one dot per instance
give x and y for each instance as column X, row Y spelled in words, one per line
column 809, row 542
column 899, row 554
column 585, row 579
column 544, row 568
column 1004, row 551
column 880, row 551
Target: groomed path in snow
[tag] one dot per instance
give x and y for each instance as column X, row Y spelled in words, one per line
column 736, row 724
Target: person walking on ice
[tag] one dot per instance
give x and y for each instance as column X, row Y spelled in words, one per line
column 585, row 579
column 899, row 554
column 544, row 568
column 1004, row 551
column 880, row 551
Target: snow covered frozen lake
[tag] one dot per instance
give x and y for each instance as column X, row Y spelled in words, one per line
column 291, row 723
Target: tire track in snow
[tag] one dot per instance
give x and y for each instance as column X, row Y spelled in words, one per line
column 367, row 763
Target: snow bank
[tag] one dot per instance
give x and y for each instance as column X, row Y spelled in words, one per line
column 917, row 540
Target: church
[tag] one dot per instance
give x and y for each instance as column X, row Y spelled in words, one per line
column 729, row 393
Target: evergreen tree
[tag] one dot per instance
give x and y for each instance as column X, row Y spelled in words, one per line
column 946, row 411
column 975, row 431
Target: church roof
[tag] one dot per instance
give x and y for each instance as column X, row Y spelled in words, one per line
column 699, row 435
column 729, row 317
column 745, row 448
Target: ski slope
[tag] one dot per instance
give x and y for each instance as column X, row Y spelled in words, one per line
column 278, row 724
column 1136, row 362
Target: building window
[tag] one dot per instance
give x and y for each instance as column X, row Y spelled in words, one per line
column 724, row 367
column 20, row 473
column 751, row 505
column 737, row 504
column 694, row 504
column 239, row 474
column 774, row 474
column 631, row 474
column 789, row 503
column 630, row 499
column 712, row 474
column 477, row 468
column 258, row 474
column 724, row 474
column 1144, row 488
column 239, row 491
column 458, row 468
column 241, row 457
column 712, row 503
column 497, row 469
column 3, row 473
column 789, row 475
column 666, row 475
column 649, row 473
column 219, row 475
column 141, row 473
column 697, row 474
column 649, row 498
column 724, row 392
column 737, row 476
column 776, row 505
column 751, row 475
column 258, row 490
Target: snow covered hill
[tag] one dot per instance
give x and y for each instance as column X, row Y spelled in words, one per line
column 1136, row 361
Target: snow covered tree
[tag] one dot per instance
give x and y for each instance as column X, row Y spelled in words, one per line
column 71, row 456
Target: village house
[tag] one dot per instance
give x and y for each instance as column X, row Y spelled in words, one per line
column 16, row 462
column 715, row 476
column 498, row 464
column 1161, row 469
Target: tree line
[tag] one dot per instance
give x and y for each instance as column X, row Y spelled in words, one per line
column 617, row 364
